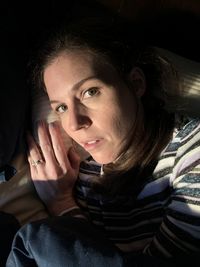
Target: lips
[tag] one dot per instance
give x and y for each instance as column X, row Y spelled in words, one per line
column 91, row 144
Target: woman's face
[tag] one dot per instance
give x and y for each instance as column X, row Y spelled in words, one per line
column 95, row 107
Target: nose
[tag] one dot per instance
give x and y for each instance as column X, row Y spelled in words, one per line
column 77, row 119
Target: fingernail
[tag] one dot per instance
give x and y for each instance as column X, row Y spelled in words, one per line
column 53, row 124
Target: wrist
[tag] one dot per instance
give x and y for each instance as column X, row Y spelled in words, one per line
column 60, row 205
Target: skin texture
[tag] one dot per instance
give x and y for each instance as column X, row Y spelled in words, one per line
column 96, row 109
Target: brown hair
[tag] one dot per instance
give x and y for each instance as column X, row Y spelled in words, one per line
column 112, row 44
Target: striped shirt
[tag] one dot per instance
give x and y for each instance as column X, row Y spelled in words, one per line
column 164, row 218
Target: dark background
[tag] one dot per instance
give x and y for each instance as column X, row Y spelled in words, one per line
column 174, row 26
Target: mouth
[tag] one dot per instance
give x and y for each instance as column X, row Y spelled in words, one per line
column 92, row 144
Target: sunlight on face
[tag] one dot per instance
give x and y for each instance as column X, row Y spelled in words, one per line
column 95, row 107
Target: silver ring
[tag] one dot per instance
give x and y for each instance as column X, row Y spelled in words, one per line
column 37, row 162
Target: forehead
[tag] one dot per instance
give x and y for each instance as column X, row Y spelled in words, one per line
column 67, row 68
column 79, row 64
column 71, row 61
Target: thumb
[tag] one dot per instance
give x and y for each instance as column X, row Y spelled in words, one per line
column 74, row 158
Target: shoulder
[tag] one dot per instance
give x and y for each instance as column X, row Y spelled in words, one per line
column 183, row 145
column 189, row 138
column 187, row 160
column 186, row 136
column 188, row 127
column 182, row 154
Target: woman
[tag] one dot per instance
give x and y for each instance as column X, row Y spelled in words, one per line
column 114, row 98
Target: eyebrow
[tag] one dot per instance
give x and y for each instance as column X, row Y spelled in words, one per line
column 77, row 85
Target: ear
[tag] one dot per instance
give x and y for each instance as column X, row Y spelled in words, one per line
column 138, row 81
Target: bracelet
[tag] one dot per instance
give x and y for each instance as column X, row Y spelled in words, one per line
column 74, row 212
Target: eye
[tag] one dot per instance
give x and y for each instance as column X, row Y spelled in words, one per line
column 91, row 92
column 61, row 109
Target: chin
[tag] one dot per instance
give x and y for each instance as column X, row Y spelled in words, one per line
column 102, row 159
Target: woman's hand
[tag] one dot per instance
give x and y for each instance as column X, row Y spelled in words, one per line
column 54, row 170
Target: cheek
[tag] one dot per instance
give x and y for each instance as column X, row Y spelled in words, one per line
column 123, row 120
column 116, row 123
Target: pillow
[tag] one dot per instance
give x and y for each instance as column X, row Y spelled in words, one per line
column 189, row 73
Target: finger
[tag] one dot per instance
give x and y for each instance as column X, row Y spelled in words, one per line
column 33, row 169
column 45, row 143
column 33, row 150
column 58, row 145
